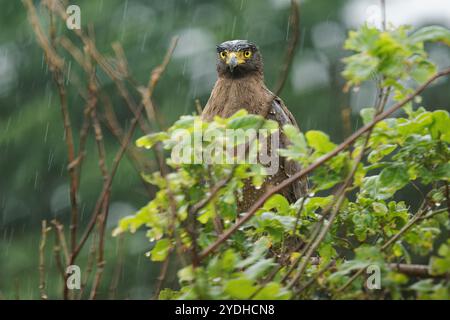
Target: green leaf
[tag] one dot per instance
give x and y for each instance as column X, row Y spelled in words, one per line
column 185, row 122
column 314, row 203
column 160, row 250
column 360, row 67
column 367, row 114
column 287, row 222
column 371, row 185
column 394, row 177
column 440, row 127
column 383, row 150
column 186, row 274
column 362, row 39
column 249, row 121
column 259, row 250
column 278, row 202
column 423, row 70
column 150, row 140
column 169, row 294
column 270, row 125
column 295, row 137
column 365, row 255
column 229, row 260
column 431, row 33
column 133, row 222
column 259, row 268
column 241, row 288
column 441, row 264
column 319, row 141
column 326, row 252
column 379, row 207
column 423, row 285
column 273, row 291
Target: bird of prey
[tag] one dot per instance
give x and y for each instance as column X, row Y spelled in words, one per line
column 240, row 85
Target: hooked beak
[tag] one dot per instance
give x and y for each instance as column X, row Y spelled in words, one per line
column 232, row 62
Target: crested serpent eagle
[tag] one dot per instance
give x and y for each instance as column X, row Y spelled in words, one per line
column 240, row 85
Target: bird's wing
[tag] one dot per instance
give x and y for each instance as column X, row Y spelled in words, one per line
column 283, row 116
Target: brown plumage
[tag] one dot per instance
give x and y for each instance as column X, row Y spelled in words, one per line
column 240, row 85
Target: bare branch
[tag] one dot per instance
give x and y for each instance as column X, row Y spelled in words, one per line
column 56, row 65
column 42, row 285
column 294, row 22
column 59, row 228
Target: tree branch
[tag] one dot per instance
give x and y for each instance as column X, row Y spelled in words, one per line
column 294, row 22
column 44, row 230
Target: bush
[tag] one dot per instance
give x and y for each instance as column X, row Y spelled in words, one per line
column 353, row 222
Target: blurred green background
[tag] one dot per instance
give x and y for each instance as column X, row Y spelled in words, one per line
column 33, row 177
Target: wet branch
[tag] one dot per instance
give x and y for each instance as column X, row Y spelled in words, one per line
column 42, row 282
column 294, row 25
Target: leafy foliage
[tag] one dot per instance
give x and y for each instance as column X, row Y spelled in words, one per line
column 374, row 226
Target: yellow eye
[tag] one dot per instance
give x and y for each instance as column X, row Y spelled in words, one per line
column 247, row 54
column 223, row 54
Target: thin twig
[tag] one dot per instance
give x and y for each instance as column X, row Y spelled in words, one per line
column 294, row 22
column 42, row 283
column 56, row 65
column 90, row 264
column 198, row 107
column 100, row 257
column 59, row 228
column 104, row 216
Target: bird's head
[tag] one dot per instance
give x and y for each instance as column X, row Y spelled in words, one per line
column 238, row 58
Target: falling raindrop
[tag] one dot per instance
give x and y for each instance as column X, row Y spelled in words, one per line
column 234, row 27
column 49, row 102
column 46, row 132
column 144, row 40
column 288, row 28
column 100, row 7
column 7, row 125
column 50, row 161
column 35, row 179
column 68, row 72
column 125, row 8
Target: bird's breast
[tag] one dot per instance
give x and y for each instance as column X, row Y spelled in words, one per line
column 231, row 95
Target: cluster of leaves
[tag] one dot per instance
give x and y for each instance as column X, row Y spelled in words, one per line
column 194, row 178
column 398, row 55
column 373, row 225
